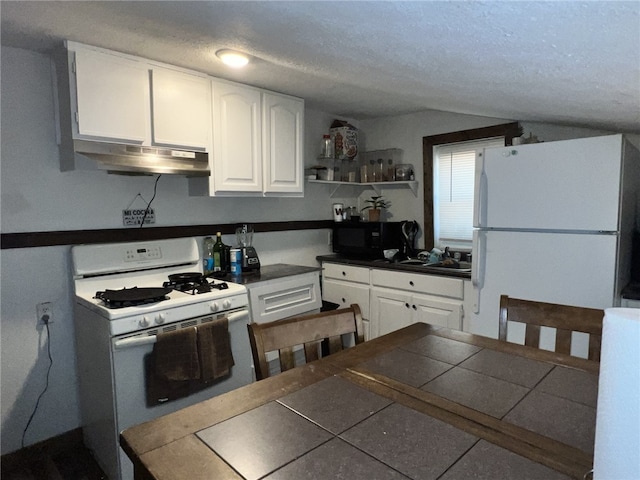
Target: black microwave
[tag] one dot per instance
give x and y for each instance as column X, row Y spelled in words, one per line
column 366, row 239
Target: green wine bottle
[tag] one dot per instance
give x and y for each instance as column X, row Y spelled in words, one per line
column 218, row 254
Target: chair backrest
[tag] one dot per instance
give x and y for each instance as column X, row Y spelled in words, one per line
column 320, row 334
column 564, row 318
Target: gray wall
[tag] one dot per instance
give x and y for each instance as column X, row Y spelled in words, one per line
column 36, row 196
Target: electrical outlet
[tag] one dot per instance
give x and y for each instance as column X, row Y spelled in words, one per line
column 45, row 312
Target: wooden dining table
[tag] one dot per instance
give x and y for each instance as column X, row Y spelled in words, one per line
column 422, row 402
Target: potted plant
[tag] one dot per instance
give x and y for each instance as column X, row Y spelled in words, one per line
column 376, row 204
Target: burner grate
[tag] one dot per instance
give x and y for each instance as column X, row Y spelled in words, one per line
column 195, row 287
column 131, row 297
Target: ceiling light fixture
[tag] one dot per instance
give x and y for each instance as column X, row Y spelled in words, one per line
column 232, row 58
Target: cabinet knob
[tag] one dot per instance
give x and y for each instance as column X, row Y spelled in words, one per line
column 411, row 282
column 406, row 305
column 344, row 274
column 414, row 307
column 344, row 300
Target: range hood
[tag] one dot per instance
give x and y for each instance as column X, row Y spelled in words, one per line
column 139, row 160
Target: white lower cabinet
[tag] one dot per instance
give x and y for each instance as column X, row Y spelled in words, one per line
column 344, row 295
column 281, row 298
column 394, row 309
column 391, row 299
column 284, row 297
column 346, row 284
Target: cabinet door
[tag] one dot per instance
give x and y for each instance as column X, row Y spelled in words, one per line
column 390, row 310
column 236, row 138
column 112, row 98
column 181, row 109
column 436, row 311
column 282, row 138
column 344, row 294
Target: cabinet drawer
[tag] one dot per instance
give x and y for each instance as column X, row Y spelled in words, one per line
column 346, row 272
column 285, row 297
column 430, row 284
column 344, row 294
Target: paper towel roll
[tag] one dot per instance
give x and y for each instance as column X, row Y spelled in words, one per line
column 617, row 444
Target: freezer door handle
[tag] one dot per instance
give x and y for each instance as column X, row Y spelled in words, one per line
column 480, row 188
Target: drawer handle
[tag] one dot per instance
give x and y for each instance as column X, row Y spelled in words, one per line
column 414, row 307
column 344, row 274
column 344, row 300
column 406, row 305
column 411, row 282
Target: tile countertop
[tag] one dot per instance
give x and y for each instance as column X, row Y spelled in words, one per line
column 385, row 264
column 270, row 272
column 419, row 403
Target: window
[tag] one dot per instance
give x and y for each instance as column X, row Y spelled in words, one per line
column 507, row 131
column 453, row 191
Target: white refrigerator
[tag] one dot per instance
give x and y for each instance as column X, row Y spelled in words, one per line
column 553, row 222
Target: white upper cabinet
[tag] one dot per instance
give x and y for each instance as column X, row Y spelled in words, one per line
column 237, row 138
column 282, row 138
column 118, row 98
column 112, row 97
column 257, row 144
column 181, row 106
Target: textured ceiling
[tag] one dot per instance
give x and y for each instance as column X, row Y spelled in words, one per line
column 568, row 62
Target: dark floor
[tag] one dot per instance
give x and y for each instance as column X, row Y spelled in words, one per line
column 63, row 461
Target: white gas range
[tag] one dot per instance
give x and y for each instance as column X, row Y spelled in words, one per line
column 127, row 294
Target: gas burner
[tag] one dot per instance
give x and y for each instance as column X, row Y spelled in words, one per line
column 131, row 297
column 196, row 286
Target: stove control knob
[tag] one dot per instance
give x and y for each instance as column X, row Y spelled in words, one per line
column 161, row 318
column 214, row 306
column 226, row 303
column 144, row 322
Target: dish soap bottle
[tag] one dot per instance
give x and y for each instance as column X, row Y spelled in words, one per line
column 207, row 257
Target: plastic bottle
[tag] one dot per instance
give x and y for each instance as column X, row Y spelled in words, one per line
column 207, row 257
column 218, row 254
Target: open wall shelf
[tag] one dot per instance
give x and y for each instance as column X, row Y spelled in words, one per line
column 377, row 186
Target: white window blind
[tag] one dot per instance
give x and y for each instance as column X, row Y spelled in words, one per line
column 453, row 190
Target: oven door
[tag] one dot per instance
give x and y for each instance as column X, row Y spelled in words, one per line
column 129, row 353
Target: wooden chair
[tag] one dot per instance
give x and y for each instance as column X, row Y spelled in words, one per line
column 564, row 318
column 314, row 331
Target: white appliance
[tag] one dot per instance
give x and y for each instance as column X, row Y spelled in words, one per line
column 114, row 339
column 553, row 222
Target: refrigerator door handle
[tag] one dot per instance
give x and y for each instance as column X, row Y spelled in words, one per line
column 480, row 188
column 477, row 267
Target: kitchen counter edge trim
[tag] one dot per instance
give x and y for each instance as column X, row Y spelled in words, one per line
column 382, row 265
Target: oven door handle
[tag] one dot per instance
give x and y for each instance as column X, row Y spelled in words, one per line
column 150, row 339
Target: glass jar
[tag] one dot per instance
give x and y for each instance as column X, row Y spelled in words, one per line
column 380, row 171
column 391, row 171
column 327, row 147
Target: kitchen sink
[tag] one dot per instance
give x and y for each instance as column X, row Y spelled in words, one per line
column 457, row 266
